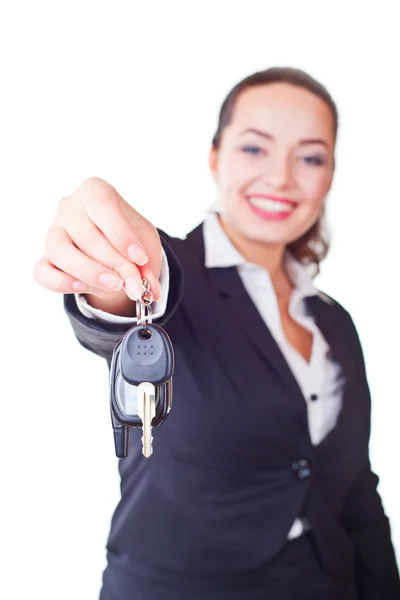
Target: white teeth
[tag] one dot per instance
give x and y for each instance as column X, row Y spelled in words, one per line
column 271, row 205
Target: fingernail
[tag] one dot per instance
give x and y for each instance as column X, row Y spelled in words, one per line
column 79, row 286
column 133, row 288
column 111, row 281
column 137, row 254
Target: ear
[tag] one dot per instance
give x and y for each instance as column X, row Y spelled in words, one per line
column 213, row 163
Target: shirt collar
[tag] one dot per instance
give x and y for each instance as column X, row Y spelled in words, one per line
column 220, row 252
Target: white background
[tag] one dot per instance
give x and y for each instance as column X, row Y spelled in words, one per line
column 131, row 94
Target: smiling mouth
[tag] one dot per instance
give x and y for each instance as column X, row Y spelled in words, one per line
column 271, row 205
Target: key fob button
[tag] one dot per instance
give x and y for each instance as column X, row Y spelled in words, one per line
column 144, row 351
column 150, row 359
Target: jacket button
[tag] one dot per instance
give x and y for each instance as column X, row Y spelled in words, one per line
column 302, row 469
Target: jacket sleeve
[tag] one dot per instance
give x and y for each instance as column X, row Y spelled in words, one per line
column 369, row 529
column 158, row 309
column 101, row 337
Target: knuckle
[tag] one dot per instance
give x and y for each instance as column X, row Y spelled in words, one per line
column 124, row 269
column 50, row 245
column 92, row 183
column 98, row 200
column 36, row 273
column 62, row 206
column 43, row 276
column 88, row 238
column 94, row 187
column 49, row 251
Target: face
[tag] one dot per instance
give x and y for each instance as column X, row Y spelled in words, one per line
column 275, row 163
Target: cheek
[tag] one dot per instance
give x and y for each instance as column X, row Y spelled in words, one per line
column 316, row 187
column 306, row 216
column 234, row 172
column 309, row 212
column 230, row 182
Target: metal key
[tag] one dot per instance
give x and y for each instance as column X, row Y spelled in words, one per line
column 141, row 380
column 147, row 412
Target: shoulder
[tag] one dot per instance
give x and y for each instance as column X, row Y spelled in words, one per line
column 188, row 249
column 339, row 308
column 336, row 308
column 341, row 315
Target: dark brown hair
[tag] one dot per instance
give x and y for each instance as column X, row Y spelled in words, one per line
column 312, row 247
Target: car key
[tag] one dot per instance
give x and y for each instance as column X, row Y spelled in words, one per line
column 141, row 384
column 141, row 379
column 147, row 412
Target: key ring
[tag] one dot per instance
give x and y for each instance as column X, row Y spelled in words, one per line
column 144, row 303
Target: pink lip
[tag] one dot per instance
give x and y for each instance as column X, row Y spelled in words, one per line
column 271, row 216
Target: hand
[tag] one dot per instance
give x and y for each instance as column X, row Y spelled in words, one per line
column 98, row 244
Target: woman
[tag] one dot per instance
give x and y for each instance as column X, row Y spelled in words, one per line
column 260, row 484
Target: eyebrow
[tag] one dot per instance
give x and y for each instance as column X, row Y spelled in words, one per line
column 268, row 136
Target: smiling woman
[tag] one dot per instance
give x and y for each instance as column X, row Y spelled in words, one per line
column 260, row 484
column 273, row 153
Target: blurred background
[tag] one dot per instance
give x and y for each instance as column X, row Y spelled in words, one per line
column 130, row 92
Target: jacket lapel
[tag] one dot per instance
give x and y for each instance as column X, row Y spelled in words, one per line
column 242, row 315
column 247, row 318
column 331, row 321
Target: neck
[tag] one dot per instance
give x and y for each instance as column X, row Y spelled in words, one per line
column 267, row 256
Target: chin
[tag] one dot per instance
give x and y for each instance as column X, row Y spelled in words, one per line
column 268, row 233
column 276, row 228
column 269, row 228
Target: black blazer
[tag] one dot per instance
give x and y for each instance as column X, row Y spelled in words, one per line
column 233, row 464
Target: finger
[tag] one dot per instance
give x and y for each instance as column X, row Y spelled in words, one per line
column 51, row 278
column 61, row 252
column 91, row 241
column 103, row 208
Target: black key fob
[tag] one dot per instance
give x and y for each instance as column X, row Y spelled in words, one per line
column 145, row 354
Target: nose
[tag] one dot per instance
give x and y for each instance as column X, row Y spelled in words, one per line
column 279, row 172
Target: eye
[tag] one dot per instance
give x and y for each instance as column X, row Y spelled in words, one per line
column 255, row 150
column 315, row 160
